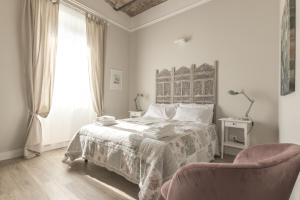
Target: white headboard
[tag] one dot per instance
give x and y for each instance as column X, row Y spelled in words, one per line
column 195, row 84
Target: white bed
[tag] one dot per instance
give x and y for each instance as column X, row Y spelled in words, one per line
column 125, row 149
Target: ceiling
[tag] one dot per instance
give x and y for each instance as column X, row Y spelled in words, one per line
column 166, row 9
column 134, row 7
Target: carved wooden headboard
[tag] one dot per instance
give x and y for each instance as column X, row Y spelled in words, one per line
column 195, row 84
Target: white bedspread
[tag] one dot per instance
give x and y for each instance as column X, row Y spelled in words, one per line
column 124, row 149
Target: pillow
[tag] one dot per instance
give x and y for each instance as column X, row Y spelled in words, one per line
column 162, row 111
column 156, row 111
column 170, row 109
column 210, row 107
column 194, row 114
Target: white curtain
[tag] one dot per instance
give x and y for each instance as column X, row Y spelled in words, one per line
column 40, row 42
column 72, row 104
column 96, row 39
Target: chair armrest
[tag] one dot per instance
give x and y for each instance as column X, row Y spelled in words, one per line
column 260, row 152
column 216, row 181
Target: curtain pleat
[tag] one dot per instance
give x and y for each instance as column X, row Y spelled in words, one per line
column 40, row 28
column 96, row 39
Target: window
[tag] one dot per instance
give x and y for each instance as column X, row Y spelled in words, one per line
column 71, row 103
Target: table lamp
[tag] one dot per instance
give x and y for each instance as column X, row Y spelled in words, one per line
column 232, row 92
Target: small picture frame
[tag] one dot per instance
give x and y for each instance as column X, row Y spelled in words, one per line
column 116, row 79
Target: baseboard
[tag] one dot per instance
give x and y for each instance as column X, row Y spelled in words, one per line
column 50, row 147
column 16, row 153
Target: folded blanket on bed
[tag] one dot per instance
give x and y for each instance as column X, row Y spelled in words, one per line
column 159, row 131
column 106, row 121
column 143, row 121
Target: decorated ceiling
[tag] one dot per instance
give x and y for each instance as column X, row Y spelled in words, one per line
column 133, row 7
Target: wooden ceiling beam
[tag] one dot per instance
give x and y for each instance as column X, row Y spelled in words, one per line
column 133, row 7
column 125, row 5
column 138, row 6
column 118, row 4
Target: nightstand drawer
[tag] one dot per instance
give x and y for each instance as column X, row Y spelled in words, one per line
column 234, row 124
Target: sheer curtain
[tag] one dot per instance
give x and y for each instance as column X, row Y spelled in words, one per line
column 72, row 104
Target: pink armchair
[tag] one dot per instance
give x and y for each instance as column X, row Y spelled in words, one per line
column 264, row 172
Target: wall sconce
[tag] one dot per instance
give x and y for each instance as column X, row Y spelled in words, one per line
column 182, row 41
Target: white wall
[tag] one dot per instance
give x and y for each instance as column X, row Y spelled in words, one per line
column 242, row 35
column 13, row 110
column 289, row 106
column 13, row 117
column 117, row 57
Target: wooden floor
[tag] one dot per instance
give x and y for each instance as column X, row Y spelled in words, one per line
column 46, row 177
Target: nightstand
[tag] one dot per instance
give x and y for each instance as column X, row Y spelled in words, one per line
column 227, row 123
column 135, row 114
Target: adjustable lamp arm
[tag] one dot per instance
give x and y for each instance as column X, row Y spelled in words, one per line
column 243, row 93
column 231, row 92
column 251, row 103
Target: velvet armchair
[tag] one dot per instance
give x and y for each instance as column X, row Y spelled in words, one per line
column 264, row 172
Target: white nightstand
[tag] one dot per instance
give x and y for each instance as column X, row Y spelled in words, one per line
column 135, row 114
column 227, row 123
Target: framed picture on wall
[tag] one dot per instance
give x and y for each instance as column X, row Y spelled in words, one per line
column 116, row 79
column 288, row 48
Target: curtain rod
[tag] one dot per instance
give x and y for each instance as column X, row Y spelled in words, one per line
column 85, row 9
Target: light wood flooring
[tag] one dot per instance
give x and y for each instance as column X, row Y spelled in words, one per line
column 46, row 177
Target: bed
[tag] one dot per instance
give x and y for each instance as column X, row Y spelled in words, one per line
column 125, row 149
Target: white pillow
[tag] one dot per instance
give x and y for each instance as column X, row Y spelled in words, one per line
column 194, row 114
column 170, row 109
column 156, row 111
column 161, row 111
column 209, row 107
